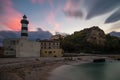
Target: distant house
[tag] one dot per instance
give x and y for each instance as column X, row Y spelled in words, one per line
column 9, row 47
column 57, row 37
column 50, row 48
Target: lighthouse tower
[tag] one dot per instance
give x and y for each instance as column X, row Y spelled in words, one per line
column 24, row 28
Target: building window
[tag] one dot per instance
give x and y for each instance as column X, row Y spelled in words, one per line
column 44, row 47
column 45, row 51
column 11, row 49
column 50, row 52
column 41, row 43
column 44, row 43
column 49, row 47
column 13, row 42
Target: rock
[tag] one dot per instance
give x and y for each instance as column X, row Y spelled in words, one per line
column 99, row 60
column 9, row 76
column 95, row 36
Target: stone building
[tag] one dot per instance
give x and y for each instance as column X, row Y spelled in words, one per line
column 50, row 48
column 9, row 47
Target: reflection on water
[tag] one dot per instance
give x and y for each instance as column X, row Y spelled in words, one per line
column 88, row 71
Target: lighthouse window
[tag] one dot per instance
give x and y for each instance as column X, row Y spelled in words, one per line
column 24, row 28
column 24, row 34
column 24, row 25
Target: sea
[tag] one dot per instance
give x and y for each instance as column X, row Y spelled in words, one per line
column 88, row 71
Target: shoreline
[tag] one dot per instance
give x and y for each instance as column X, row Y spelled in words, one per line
column 39, row 69
column 48, row 70
column 53, row 66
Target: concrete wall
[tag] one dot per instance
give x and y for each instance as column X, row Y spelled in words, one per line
column 9, row 47
column 26, row 48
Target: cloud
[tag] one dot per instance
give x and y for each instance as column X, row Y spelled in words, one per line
column 43, row 1
column 117, row 34
column 72, row 8
column 33, row 35
column 38, row 1
column 100, row 7
column 73, row 13
column 9, row 17
column 92, row 8
column 114, row 27
column 114, row 17
column 50, row 19
column 40, row 34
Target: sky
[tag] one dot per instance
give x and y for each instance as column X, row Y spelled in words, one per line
column 64, row 16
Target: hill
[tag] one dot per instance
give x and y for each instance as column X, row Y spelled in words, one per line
column 91, row 40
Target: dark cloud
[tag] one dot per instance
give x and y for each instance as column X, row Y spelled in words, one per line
column 33, row 35
column 40, row 34
column 117, row 34
column 72, row 8
column 94, row 8
column 114, row 17
column 100, row 7
column 73, row 13
column 8, row 34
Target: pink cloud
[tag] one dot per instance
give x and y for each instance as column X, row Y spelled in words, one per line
column 72, row 8
column 38, row 1
column 9, row 17
column 43, row 1
column 51, row 3
column 50, row 19
column 72, row 5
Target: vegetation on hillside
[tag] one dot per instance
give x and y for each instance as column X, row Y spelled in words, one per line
column 91, row 40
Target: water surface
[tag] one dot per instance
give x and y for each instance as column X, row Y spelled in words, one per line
column 88, row 71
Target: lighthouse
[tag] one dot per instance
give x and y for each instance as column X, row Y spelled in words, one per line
column 24, row 27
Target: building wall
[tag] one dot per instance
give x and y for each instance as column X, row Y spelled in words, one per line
column 26, row 48
column 51, row 49
column 51, row 53
column 9, row 47
column 50, row 44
